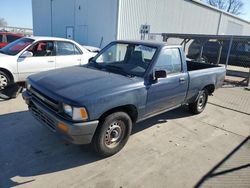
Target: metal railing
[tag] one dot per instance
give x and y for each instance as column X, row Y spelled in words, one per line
column 233, row 52
column 24, row 31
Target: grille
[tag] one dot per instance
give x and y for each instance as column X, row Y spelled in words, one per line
column 45, row 100
column 43, row 117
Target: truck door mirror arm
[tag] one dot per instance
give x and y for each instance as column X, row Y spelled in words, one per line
column 159, row 74
column 155, row 75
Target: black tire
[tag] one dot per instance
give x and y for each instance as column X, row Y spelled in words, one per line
column 112, row 134
column 199, row 105
column 4, row 80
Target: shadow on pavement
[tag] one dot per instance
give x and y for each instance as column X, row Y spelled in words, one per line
column 28, row 149
column 162, row 118
column 231, row 165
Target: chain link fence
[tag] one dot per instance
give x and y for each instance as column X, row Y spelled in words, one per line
column 233, row 52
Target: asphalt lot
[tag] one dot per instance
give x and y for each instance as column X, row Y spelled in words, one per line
column 174, row 149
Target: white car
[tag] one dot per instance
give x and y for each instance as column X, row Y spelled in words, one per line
column 31, row 55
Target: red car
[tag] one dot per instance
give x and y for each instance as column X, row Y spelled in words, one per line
column 7, row 37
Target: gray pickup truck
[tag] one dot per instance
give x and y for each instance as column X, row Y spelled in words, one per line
column 127, row 82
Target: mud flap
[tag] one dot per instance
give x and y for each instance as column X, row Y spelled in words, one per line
column 11, row 91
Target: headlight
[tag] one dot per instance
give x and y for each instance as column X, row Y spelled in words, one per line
column 68, row 110
column 77, row 114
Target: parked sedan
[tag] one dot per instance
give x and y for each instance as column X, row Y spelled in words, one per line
column 7, row 37
column 30, row 55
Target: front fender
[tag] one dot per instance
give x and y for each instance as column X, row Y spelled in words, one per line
column 103, row 104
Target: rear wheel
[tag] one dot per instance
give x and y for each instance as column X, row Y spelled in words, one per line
column 112, row 134
column 4, row 80
column 199, row 105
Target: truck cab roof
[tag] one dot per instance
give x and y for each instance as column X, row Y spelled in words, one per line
column 148, row 43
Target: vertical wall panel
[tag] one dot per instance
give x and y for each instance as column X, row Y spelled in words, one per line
column 97, row 22
column 232, row 26
column 94, row 21
column 41, row 13
column 172, row 16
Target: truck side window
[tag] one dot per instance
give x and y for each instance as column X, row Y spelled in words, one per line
column 169, row 60
column 1, row 38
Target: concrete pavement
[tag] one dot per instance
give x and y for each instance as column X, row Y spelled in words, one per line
column 174, row 149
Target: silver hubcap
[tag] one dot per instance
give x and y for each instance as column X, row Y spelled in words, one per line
column 3, row 81
column 202, row 101
column 114, row 134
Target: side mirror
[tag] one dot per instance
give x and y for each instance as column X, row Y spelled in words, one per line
column 160, row 74
column 26, row 54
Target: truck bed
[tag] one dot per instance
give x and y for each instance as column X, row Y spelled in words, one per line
column 201, row 74
column 193, row 66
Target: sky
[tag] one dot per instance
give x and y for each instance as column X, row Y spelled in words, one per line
column 246, row 12
column 18, row 13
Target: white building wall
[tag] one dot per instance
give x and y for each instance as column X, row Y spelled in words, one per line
column 101, row 21
column 175, row 16
column 232, row 26
column 41, row 17
column 62, row 17
column 94, row 21
column 97, row 22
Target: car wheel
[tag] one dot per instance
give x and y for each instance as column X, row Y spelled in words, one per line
column 4, row 80
column 199, row 105
column 112, row 134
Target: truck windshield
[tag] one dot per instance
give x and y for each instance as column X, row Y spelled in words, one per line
column 122, row 58
column 17, row 46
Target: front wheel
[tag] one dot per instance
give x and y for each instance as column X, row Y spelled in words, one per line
column 199, row 105
column 4, row 80
column 112, row 134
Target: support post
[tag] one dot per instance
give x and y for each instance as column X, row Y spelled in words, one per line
column 229, row 51
column 219, row 54
column 248, row 79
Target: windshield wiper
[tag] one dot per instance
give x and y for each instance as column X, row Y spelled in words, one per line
column 118, row 70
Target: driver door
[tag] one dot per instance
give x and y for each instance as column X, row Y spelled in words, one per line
column 43, row 59
column 169, row 92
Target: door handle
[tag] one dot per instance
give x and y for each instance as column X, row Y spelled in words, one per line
column 79, row 60
column 51, row 61
column 182, row 80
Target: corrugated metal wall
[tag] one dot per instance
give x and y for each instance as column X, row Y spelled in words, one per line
column 233, row 26
column 97, row 22
column 174, row 16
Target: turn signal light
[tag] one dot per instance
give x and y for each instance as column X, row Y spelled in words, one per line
column 84, row 113
column 63, row 127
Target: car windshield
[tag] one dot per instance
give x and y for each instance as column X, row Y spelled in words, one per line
column 16, row 46
column 126, row 59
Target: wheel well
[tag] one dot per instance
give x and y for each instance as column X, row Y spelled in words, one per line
column 210, row 88
column 131, row 110
column 8, row 73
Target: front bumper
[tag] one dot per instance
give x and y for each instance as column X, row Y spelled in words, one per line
column 76, row 133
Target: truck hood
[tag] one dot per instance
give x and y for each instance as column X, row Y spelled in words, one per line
column 76, row 84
